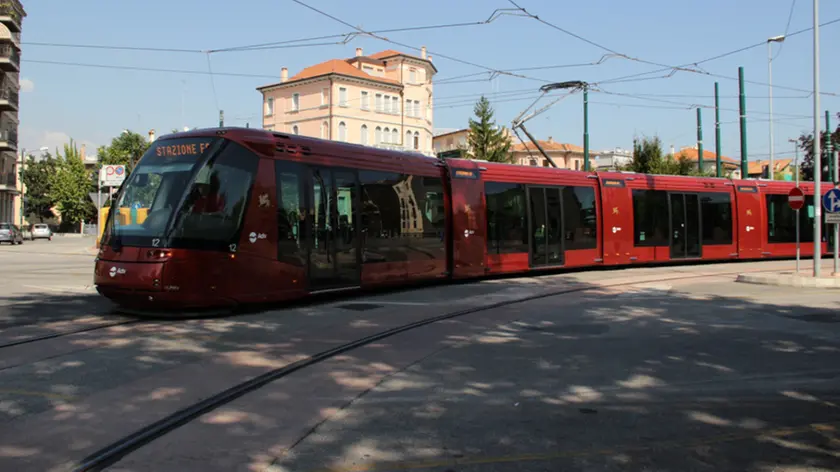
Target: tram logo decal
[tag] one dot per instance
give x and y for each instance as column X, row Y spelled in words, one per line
column 264, row 201
column 115, row 271
column 253, row 237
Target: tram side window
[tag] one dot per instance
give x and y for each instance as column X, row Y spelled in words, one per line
column 650, row 218
column 579, row 218
column 382, row 217
column 211, row 215
column 781, row 220
column 427, row 221
column 507, row 230
column 716, row 211
column 290, row 211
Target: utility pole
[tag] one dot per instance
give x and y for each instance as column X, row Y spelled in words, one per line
column 699, row 141
column 586, row 127
column 718, row 170
column 742, row 106
column 22, row 185
column 817, row 156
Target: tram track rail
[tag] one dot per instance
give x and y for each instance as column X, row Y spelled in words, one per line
column 116, row 451
column 62, row 334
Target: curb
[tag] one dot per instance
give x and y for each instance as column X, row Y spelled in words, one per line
column 784, row 280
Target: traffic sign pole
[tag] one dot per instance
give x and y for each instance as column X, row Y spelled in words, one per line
column 836, row 178
column 796, row 199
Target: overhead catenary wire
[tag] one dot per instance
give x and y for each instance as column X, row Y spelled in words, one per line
column 787, row 28
column 414, row 48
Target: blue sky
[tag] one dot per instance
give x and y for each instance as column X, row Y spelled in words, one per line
column 93, row 104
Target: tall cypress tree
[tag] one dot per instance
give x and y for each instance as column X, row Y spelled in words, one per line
column 486, row 140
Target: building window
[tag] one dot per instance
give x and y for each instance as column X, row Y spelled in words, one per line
column 428, row 141
column 417, row 108
column 386, row 108
column 269, row 106
column 295, row 129
column 365, row 104
column 364, row 135
column 377, row 135
column 325, row 130
column 342, row 97
column 342, row 131
column 295, row 102
column 395, row 104
column 378, row 102
column 395, row 136
column 412, row 76
column 416, row 140
column 407, row 138
column 409, row 110
column 386, row 137
column 325, row 96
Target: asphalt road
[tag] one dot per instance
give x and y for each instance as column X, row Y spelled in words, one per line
column 694, row 374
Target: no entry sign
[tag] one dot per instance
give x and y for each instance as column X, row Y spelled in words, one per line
column 796, row 198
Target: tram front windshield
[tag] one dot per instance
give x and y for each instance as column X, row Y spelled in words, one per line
column 154, row 189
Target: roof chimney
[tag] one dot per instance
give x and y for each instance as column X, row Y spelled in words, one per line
column 550, row 139
column 82, row 152
column 284, row 74
column 429, row 58
column 358, row 52
column 423, row 52
column 151, row 135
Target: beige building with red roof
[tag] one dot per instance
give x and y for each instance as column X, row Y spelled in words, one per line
column 731, row 167
column 566, row 156
column 761, row 169
column 383, row 100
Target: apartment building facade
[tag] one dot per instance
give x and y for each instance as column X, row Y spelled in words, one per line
column 11, row 22
column 383, row 100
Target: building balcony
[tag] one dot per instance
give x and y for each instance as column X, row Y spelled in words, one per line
column 8, row 140
column 10, row 15
column 9, row 58
column 8, row 182
column 9, row 99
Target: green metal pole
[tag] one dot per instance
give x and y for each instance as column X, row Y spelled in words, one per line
column 718, row 169
column 699, row 141
column 586, row 129
column 742, row 110
column 829, row 146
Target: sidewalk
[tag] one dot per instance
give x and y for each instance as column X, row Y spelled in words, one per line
column 803, row 279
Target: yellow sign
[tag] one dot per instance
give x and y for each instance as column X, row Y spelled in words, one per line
column 182, row 149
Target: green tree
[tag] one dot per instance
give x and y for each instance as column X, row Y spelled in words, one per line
column 647, row 156
column 37, row 177
column 125, row 149
column 486, row 140
column 70, row 186
column 806, row 144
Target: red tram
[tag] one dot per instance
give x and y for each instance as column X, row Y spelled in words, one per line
column 221, row 217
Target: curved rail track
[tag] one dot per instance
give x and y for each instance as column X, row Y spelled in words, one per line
column 119, row 449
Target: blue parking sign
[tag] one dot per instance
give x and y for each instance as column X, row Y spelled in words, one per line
column 831, row 201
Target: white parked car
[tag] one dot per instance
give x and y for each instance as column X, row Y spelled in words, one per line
column 41, row 231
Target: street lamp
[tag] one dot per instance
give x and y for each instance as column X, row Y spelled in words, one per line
column 770, row 41
column 22, row 184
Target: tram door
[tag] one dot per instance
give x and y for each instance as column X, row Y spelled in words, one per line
column 685, row 225
column 334, row 232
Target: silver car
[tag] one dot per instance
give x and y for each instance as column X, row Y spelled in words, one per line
column 9, row 233
column 41, row 231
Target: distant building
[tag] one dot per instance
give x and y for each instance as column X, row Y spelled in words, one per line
column 382, row 100
column 448, row 144
column 11, row 22
column 730, row 167
column 613, row 159
column 761, row 169
column 566, row 156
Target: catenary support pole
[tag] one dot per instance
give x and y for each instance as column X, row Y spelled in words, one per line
column 718, row 170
